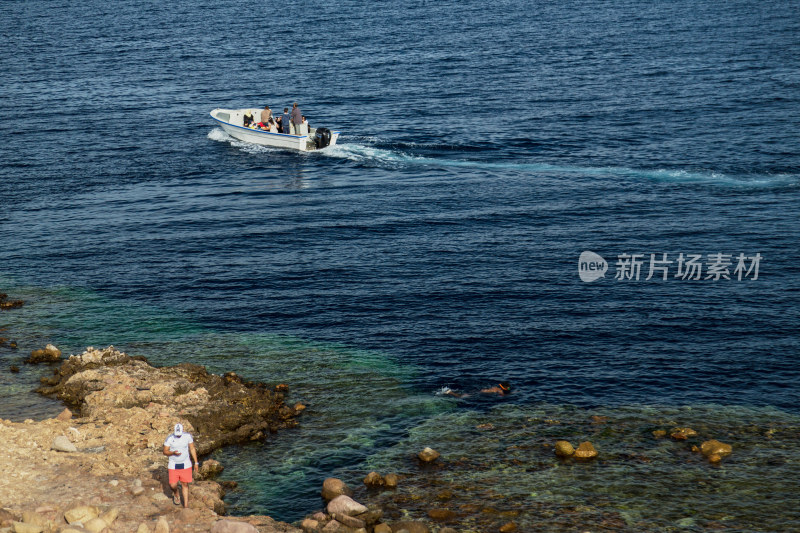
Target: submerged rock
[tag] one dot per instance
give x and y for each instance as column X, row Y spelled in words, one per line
column 373, row 479
column 564, row 448
column 390, row 480
column 585, row 451
column 410, row 526
column 715, row 450
column 441, row 515
column 428, row 455
column 682, row 433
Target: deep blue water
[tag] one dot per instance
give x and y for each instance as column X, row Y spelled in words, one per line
column 484, row 147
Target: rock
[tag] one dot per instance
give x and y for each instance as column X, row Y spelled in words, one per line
column 715, row 447
column 82, row 513
column 137, row 490
column 143, row 528
column 114, row 482
column 428, row 455
column 160, row 497
column 349, row 521
column 682, row 433
column 50, row 354
column 187, row 516
column 390, row 481
column 7, row 517
column 372, row 516
column 659, row 433
column 345, row 505
column 597, row 419
column 36, row 519
column 22, row 527
column 63, row 444
column 14, row 369
column 447, row 530
column 319, row 516
column 410, row 526
column 72, row 530
column 95, row 525
column 442, row 515
column 232, row 526
column 332, row 527
column 309, row 525
column 333, row 487
column 66, row 414
column 299, row 407
column 564, row 448
column 162, row 526
column 508, row 527
column 585, row 451
column 109, row 516
column 382, row 528
column 210, row 468
column 373, row 479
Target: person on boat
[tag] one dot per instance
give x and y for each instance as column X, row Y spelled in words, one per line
column 285, row 120
column 273, row 127
column 304, row 126
column 297, row 119
column 266, row 114
column 248, row 120
column 178, row 447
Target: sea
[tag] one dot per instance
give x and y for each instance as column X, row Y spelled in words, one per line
column 597, row 202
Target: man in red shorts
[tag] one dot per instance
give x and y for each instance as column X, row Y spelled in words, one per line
column 177, row 447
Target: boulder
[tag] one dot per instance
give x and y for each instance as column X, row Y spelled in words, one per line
column 82, row 514
column 143, row 528
column 309, row 525
column 441, row 515
column 187, row 516
column 345, row 505
column 232, row 526
column 63, row 444
column 428, row 455
column 715, row 447
column 210, row 468
column 66, row 414
column 332, row 527
column 349, row 521
column 585, row 451
column 36, row 519
column 564, row 448
column 411, row 526
column 372, row 516
column 333, row 487
column 109, row 516
column 95, row 525
column 373, row 479
column 22, row 527
column 50, row 354
column 162, row 526
column 390, row 481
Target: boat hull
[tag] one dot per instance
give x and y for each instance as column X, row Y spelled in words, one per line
column 227, row 119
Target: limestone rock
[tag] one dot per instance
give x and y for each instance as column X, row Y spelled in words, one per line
column 428, row 455
column 66, row 414
column 210, row 468
column 332, row 527
column 36, row 519
column 585, row 451
column 162, row 526
column 187, row 516
column 63, row 444
column 373, row 479
column 349, row 521
column 95, row 525
column 309, row 525
column 143, row 528
column 390, row 481
column 382, row 528
column 345, row 505
column 109, row 516
column 372, row 516
column 333, row 487
column 564, row 448
column 441, row 515
column 82, row 513
column 22, row 527
column 50, row 354
column 232, row 526
column 410, row 526
column 715, row 447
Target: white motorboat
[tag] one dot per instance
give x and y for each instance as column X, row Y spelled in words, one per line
column 232, row 121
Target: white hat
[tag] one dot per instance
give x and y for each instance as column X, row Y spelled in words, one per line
column 178, row 430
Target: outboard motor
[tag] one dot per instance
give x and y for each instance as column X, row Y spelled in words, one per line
column 322, row 137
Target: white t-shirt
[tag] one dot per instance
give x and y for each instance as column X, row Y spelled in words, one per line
column 179, row 444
